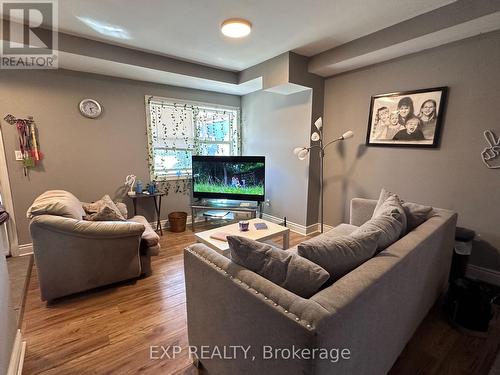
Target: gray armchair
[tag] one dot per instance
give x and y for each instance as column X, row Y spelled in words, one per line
column 73, row 255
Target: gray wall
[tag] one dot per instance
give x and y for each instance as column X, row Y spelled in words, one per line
column 90, row 158
column 273, row 125
column 452, row 176
column 292, row 129
column 300, row 75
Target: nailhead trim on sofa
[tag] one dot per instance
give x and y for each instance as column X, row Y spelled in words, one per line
column 308, row 325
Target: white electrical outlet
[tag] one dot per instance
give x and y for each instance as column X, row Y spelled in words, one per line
column 19, row 155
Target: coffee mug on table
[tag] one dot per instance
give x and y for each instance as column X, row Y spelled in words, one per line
column 243, row 225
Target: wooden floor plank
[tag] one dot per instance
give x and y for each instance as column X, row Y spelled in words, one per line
column 110, row 330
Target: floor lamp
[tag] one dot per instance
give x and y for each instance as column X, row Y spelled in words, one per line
column 302, row 152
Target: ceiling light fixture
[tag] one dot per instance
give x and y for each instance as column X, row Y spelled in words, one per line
column 236, row 27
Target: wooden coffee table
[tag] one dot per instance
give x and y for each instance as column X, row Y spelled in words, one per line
column 272, row 230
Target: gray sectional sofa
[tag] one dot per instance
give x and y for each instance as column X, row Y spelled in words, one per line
column 372, row 311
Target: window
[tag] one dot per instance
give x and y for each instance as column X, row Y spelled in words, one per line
column 177, row 130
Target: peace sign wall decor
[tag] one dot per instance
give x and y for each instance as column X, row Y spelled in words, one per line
column 491, row 154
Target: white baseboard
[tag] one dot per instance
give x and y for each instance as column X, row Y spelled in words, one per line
column 297, row 228
column 316, row 228
column 294, row 227
column 24, row 249
column 17, row 356
column 483, row 274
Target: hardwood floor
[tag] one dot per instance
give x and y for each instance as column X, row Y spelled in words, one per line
column 110, row 330
column 438, row 348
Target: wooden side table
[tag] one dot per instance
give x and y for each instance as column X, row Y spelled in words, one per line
column 157, row 200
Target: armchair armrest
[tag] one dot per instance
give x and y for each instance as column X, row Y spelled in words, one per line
column 88, row 229
column 76, row 255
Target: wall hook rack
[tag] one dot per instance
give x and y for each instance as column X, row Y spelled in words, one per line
column 28, row 140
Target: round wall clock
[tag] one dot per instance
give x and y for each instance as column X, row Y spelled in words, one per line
column 90, row 108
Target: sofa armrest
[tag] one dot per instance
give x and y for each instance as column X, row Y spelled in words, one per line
column 385, row 299
column 231, row 305
column 361, row 210
column 88, row 229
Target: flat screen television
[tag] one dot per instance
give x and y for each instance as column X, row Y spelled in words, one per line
column 229, row 177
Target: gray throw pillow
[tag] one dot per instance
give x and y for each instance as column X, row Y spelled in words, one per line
column 339, row 255
column 284, row 268
column 387, row 203
column 122, row 207
column 416, row 214
column 389, row 226
column 103, row 210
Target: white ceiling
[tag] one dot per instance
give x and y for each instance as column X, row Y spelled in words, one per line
column 189, row 29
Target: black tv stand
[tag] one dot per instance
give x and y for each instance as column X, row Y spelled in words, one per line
column 231, row 206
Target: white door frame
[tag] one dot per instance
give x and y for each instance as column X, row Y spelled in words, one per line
column 6, row 193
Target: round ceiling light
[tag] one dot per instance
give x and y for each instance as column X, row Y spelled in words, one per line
column 236, row 27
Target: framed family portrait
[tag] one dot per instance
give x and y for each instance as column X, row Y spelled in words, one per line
column 407, row 118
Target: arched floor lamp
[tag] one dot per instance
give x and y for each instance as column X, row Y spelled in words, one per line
column 302, row 153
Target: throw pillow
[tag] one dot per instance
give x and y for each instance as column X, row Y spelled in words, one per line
column 122, row 207
column 387, row 203
column 103, row 210
column 339, row 255
column 57, row 202
column 92, row 208
column 384, row 194
column 416, row 214
column 284, row 268
column 389, row 226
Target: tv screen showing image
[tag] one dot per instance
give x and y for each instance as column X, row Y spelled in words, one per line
column 229, row 177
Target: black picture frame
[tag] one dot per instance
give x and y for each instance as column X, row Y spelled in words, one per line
column 421, row 128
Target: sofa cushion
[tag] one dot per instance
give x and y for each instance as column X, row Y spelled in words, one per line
column 416, row 214
column 387, row 203
column 341, row 254
column 57, row 202
column 103, row 210
column 286, row 269
column 149, row 236
column 340, row 230
column 389, row 226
